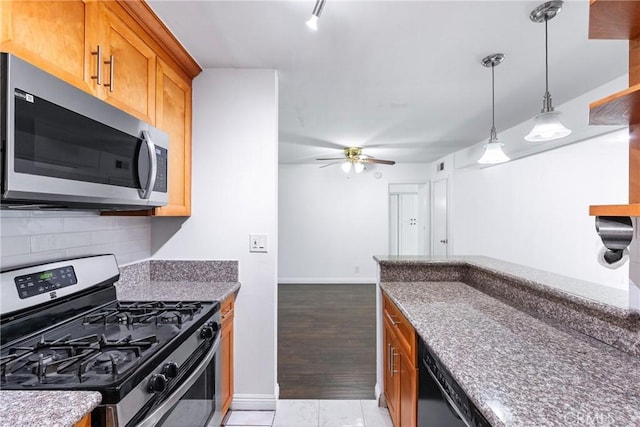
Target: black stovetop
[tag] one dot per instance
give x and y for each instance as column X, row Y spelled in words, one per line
column 103, row 348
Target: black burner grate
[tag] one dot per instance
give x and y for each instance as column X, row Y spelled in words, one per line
column 65, row 359
column 157, row 312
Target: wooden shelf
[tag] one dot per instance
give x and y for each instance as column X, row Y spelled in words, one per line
column 622, row 108
column 614, row 19
column 615, row 210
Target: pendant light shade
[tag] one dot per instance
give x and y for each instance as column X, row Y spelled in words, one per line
column 358, row 167
column 547, row 125
column 346, row 166
column 493, row 153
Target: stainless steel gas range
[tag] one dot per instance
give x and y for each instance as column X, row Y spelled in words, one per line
column 155, row 363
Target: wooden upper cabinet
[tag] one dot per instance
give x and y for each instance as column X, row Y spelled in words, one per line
column 128, row 62
column 620, row 19
column 173, row 115
column 47, row 34
column 149, row 77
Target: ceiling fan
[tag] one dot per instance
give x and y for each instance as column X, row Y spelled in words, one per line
column 353, row 157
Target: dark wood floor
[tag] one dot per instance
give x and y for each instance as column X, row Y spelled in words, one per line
column 326, row 341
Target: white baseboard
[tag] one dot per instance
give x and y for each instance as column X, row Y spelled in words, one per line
column 329, row 280
column 254, row 402
column 377, row 392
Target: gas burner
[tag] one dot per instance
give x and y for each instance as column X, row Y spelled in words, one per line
column 135, row 313
column 68, row 360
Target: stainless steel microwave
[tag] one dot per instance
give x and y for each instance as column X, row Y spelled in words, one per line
column 63, row 148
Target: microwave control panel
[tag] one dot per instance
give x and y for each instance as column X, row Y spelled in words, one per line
column 45, row 281
column 161, row 172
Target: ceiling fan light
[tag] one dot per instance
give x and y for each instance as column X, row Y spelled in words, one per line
column 346, row 166
column 547, row 127
column 493, row 154
column 358, row 167
column 313, row 23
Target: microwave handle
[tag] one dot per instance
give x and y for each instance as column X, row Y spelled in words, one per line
column 147, row 162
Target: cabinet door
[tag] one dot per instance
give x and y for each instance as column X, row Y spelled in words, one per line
column 226, row 346
column 173, row 115
column 391, row 377
column 129, row 64
column 47, row 34
column 408, row 400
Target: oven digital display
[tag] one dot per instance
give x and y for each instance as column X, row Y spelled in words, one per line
column 45, row 281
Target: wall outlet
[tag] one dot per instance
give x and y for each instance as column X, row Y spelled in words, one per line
column 257, row 243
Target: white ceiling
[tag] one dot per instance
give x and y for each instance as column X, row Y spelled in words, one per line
column 401, row 78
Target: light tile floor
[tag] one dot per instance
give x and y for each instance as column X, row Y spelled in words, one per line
column 315, row 413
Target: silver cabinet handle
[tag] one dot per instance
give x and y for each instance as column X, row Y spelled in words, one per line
column 389, row 357
column 393, row 322
column 111, row 64
column 227, row 314
column 98, row 76
column 148, row 163
column 392, row 359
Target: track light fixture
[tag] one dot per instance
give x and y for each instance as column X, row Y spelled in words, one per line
column 547, row 125
column 315, row 15
column 493, row 153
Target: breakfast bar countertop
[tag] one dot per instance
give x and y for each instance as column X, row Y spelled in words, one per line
column 520, row 370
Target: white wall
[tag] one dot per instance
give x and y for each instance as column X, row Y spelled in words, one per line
column 534, row 211
column 234, row 193
column 29, row 237
column 331, row 224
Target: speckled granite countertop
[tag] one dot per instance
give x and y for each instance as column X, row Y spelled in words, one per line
column 176, row 291
column 519, row 370
column 581, row 288
column 45, row 408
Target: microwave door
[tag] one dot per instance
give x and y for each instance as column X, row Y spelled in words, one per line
column 60, row 154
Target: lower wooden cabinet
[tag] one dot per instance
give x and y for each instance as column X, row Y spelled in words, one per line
column 400, row 372
column 84, row 422
column 226, row 346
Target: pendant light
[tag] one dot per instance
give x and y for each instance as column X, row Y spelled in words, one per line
column 547, row 125
column 315, row 15
column 493, row 153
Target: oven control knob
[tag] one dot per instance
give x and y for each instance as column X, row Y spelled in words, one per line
column 170, row 370
column 207, row 332
column 157, row 383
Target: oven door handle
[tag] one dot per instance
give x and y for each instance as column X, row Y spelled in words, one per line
column 448, row 399
column 168, row 404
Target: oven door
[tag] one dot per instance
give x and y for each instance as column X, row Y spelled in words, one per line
column 194, row 402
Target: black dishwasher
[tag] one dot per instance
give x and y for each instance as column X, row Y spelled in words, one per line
column 441, row 401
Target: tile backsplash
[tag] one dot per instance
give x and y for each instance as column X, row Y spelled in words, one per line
column 35, row 236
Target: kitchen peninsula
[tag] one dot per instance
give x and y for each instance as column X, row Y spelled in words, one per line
column 523, row 352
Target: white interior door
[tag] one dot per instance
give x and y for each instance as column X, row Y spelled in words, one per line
column 394, row 224
column 409, row 212
column 408, row 220
column 424, row 215
column 440, row 203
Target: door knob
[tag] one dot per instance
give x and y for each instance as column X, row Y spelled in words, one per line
column 444, row 241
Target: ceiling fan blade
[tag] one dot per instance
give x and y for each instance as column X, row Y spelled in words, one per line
column 331, row 164
column 331, row 158
column 383, row 162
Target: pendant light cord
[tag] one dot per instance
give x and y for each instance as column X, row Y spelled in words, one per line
column 493, row 100
column 546, row 56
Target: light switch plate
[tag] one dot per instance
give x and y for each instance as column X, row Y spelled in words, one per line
column 257, row 243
